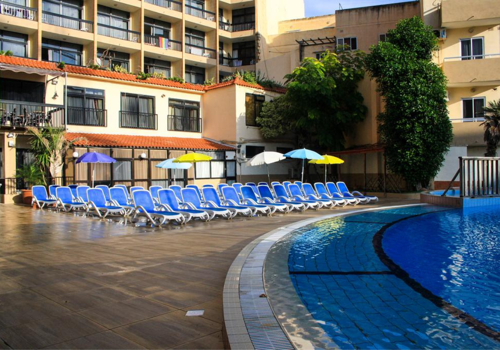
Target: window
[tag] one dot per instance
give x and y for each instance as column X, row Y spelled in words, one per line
column 137, row 112
column 244, row 52
column 319, row 55
column 253, row 105
column 252, row 151
column 213, row 169
column 195, row 75
column 20, row 90
column 245, row 15
column 473, row 108
column 156, row 28
column 60, row 51
column 53, row 10
column 122, row 170
column 111, row 59
column 184, row 116
column 15, row 42
column 195, row 37
column 382, row 37
column 472, row 48
column 86, row 106
column 157, row 66
column 199, row 4
column 349, row 44
column 109, row 18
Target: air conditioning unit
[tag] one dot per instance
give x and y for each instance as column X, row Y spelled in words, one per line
column 442, row 33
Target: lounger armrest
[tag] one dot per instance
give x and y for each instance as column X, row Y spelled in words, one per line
column 347, row 194
column 210, row 204
column 190, row 205
column 357, row 193
column 140, row 207
column 91, row 205
column 267, row 200
column 162, row 207
column 231, row 202
column 250, row 201
column 167, row 207
column 300, row 198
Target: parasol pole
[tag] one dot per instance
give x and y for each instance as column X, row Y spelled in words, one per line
column 302, row 177
column 93, row 173
column 325, row 173
column 268, row 176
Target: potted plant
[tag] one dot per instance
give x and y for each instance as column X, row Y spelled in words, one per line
column 31, row 176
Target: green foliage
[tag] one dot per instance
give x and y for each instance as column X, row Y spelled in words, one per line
column 61, row 65
column 209, row 82
column 491, row 126
column 2, row 52
column 322, row 100
column 30, row 174
column 246, row 76
column 94, row 66
column 9, row 53
column 176, row 79
column 120, row 69
column 275, row 117
column 266, row 82
column 158, row 75
column 228, row 78
column 415, row 126
column 143, row 76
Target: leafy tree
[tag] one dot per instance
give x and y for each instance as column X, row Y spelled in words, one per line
column 415, row 126
column 321, row 103
column 491, row 127
column 50, row 146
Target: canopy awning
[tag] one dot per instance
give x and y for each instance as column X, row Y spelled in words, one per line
column 30, row 70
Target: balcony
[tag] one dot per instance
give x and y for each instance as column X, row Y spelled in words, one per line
column 67, row 22
column 118, row 33
column 472, row 71
column 469, row 13
column 163, row 43
column 19, row 114
column 87, row 116
column 136, row 120
column 233, row 28
column 200, row 51
column 171, row 5
column 187, row 124
column 18, row 11
column 194, row 11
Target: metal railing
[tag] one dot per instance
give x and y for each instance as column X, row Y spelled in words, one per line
column 230, row 62
column 232, row 28
column 478, row 176
column 201, row 51
column 194, row 11
column 156, row 41
column 171, row 5
column 180, row 123
column 136, row 120
column 468, row 120
column 67, row 22
column 12, row 185
column 472, row 57
column 14, row 10
column 21, row 114
column 87, row 116
column 118, row 33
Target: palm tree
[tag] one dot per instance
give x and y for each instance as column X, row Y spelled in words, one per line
column 491, row 127
column 50, row 146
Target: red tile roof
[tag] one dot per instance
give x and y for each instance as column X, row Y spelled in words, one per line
column 132, row 141
column 25, row 62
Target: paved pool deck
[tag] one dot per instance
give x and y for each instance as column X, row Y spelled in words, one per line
column 68, row 281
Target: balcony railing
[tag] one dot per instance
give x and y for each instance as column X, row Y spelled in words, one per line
column 67, row 22
column 9, row 9
column 473, row 57
column 179, row 123
column 194, row 11
column 200, row 51
column 118, row 33
column 160, row 42
column 478, row 118
column 18, row 114
column 228, row 27
column 236, row 62
column 171, row 5
column 11, row 186
column 87, row 116
column 136, row 120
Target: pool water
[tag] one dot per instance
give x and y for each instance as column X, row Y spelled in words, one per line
column 360, row 303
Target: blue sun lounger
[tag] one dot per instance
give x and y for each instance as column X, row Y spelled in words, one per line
column 81, row 193
column 231, row 196
column 212, row 198
column 129, row 199
column 52, row 191
column 334, row 191
column 41, row 198
column 267, row 195
column 136, row 188
column 296, row 193
column 154, row 191
column 251, row 197
column 283, row 197
column 145, row 206
column 99, row 204
column 168, row 198
column 311, row 194
column 197, row 190
column 323, row 192
column 105, row 190
column 344, row 190
column 66, row 201
column 119, row 197
column 191, row 198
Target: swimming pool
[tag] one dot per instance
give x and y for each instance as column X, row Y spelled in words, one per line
column 370, row 281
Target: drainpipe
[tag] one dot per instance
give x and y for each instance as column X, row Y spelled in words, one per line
column 65, row 101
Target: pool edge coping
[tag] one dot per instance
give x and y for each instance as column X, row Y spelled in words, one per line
column 255, row 254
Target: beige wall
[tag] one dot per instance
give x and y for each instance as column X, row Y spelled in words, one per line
column 457, row 94
column 305, row 24
column 463, row 13
column 270, row 13
column 220, row 117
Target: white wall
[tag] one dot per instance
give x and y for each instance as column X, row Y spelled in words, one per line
column 450, row 165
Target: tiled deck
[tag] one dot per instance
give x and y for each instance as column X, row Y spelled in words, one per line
column 75, row 282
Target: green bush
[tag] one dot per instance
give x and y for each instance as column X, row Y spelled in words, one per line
column 30, row 174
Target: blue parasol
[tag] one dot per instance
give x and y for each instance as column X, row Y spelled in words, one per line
column 95, row 157
column 169, row 164
column 303, row 154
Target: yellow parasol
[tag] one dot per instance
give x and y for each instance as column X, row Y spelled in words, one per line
column 193, row 158
column 327, row 160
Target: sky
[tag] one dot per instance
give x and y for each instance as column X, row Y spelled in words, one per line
column 326, row 7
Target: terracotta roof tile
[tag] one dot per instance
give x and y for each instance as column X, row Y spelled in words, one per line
column 132, row 141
